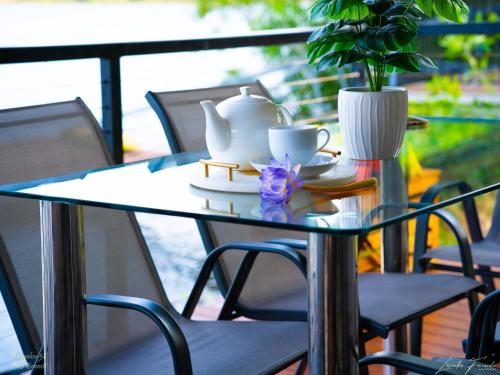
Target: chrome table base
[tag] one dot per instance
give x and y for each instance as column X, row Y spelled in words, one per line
column 395, row 259
column 394, row 243
column 63, row 278
column 333, row 305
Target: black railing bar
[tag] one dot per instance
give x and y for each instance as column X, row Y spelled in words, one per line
column 117, row 50
column 441, row 28
column 253, row 39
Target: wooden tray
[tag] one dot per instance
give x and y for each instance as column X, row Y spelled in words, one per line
column 248, row 182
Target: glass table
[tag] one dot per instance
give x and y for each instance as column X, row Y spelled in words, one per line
column 333, row 221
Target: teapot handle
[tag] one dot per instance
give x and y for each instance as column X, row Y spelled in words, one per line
column 286, row 115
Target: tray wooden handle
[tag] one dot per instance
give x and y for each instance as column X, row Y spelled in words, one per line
column 369, row 182
column 334, row 153
column 211, row 163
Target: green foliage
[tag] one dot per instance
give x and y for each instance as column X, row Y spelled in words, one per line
column 379, row 33
column 475, row 50
column 449, row 86
column 263, row 14
column 448, row 107
column 267, row 14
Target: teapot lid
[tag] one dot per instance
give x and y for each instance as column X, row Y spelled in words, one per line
column 247, row 97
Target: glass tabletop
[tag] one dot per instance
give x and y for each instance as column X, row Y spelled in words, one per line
column 438, row 152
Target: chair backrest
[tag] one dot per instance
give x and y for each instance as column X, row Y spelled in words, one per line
column 481, row 339
column 183, row 120
column 182, row 116
column 50, row 140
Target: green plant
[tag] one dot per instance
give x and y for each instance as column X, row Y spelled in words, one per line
column 475, row 50
column 381, row 34
column 450, row 86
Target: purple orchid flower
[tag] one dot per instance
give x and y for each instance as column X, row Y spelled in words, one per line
column 279, row 181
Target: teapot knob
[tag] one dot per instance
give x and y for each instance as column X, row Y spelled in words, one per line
column 245, row 90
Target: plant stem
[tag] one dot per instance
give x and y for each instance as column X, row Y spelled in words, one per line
column 365, row 60
column 370, row 80
column 380, row 80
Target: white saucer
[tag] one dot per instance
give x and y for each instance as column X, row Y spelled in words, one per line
column 317, row 165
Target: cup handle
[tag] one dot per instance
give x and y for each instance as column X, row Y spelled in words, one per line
column 327, row 138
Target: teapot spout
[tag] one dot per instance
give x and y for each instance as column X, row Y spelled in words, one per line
column 218, row 130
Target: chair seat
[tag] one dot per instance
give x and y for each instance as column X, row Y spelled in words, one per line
column 390, row 299
column 483, row 253
column 216, row 348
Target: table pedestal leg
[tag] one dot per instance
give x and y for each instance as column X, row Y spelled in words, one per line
column 395, row 259
column 333, row 305
column 63, row 279
column 394, row 194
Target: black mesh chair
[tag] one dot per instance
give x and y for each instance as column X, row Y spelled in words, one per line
column 481, row 350
column 386, row 301
column 485, row 250
column 139, row 332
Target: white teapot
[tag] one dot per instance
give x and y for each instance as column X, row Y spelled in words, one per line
column 237, row 128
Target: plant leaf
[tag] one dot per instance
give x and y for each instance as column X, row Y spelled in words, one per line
column 319, row 48
column 339, row 59
column 405, row 8
column 378, row 6
column 426, row 6
column 343, row 46
column 348, row 57
column 331, row 28
column 425, row 61
column 453, row 10
column 336, row 9
column 405, row 61
column 395, row 35
column 318, row 8
column 355, row 11
column 411, row 62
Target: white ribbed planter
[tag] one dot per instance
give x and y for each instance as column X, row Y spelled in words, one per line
column 373, row 124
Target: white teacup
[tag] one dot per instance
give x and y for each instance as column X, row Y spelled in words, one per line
column 300, row 142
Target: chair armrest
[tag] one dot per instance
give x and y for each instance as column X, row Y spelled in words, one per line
column 291, row 242
column 431, row 193
column 253, row 249
column 167, row 324
column 459, row 233
column 410, row 363
column 470, row 209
